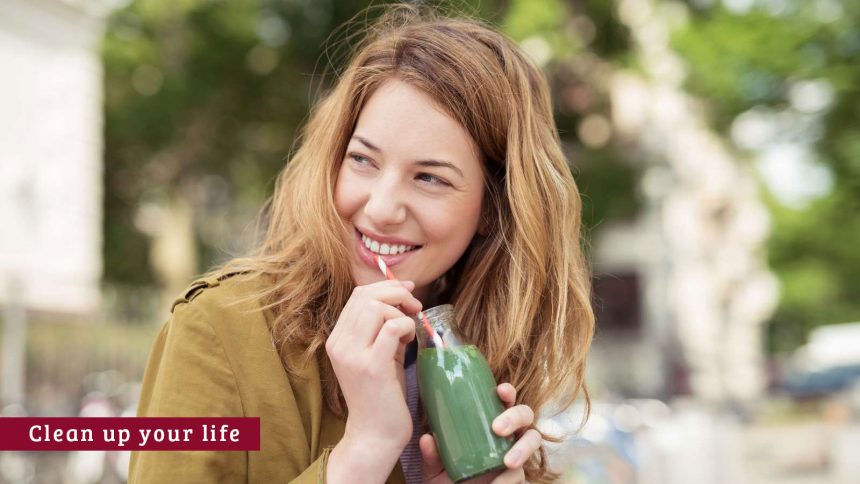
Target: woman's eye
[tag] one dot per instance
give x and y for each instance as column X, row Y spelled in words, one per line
column 360, row 160
column 432, row 179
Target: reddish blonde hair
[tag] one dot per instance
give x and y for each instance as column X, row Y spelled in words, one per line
column 523, row 289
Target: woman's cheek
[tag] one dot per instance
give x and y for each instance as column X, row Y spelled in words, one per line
column 348, row 194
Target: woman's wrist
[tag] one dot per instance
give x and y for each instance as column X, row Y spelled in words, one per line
column 372, row 459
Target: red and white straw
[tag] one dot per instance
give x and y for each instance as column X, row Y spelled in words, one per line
column 390, row 276
column 384, row 268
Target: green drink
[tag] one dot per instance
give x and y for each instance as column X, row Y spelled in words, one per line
column 458, row 393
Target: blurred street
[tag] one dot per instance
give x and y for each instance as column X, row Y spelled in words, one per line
column 695, row 445
column 789, row 454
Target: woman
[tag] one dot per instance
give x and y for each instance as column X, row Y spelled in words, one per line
column 438, row 151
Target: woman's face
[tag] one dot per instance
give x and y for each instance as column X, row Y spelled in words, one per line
column 409, row 188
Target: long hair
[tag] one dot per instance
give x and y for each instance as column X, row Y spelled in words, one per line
column 522, row 288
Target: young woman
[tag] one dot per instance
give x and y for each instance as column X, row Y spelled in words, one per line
column 436, row 149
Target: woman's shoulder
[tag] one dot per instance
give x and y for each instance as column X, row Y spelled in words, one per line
column 223, row 290
column 231, row 307
column 222, row 294
column 231, row 304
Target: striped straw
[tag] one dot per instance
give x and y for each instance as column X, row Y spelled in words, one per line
column 390, row 276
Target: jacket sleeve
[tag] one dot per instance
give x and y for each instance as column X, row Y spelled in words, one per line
column 188, row 375
column 315, row 474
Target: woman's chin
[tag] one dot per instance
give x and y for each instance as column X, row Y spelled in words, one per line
column 361, row 276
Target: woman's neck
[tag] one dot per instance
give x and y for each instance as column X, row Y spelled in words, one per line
column 428, row 298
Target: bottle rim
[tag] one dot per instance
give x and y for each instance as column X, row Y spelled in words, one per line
column 440, row 311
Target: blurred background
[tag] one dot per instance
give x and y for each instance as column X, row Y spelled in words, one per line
column 716, row 144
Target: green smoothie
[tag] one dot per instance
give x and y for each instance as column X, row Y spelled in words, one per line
column 458, row 392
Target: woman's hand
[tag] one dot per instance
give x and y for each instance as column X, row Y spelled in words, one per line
column 366, row 349
column 512, row 421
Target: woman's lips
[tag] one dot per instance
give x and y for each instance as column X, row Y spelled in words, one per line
column 367, row 256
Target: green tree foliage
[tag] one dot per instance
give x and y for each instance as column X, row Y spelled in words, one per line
column 740, row 60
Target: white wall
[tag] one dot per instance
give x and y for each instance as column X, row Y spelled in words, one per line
column 50, row 155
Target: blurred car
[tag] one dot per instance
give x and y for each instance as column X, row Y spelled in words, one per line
column 829, row 363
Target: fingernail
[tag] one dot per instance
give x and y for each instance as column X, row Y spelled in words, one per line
column 513, row 457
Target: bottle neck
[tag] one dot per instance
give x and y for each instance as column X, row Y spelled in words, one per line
column 436, row 328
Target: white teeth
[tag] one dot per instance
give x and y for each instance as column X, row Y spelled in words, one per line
column 385, row 249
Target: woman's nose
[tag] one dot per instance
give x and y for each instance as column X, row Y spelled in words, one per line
column 385, row 205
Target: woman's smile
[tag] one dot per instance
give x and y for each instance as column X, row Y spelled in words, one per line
column 386, row 247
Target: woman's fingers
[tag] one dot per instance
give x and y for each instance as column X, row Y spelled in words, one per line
column 370, row 321
column 432, row 464
column 511, row 476
column 356, row 303
column 367, row 309
column 393, row 293
column 394, row 335
column 513, row 419
column 528, row 444
column 346, row 315
column 507, row 393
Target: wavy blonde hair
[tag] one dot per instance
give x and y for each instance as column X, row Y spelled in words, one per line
column 522, row 289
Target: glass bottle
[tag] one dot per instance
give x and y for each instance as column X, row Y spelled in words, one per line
column 458, row 393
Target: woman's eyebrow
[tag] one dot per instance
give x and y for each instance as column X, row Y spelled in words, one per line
column 443, row 164
column 438, row 163
column 370, row 146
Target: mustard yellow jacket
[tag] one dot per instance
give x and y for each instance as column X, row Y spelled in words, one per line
column 216, row 358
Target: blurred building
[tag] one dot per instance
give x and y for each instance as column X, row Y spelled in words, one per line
column 50, row 170
column 683, row 291
column 50, row 155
